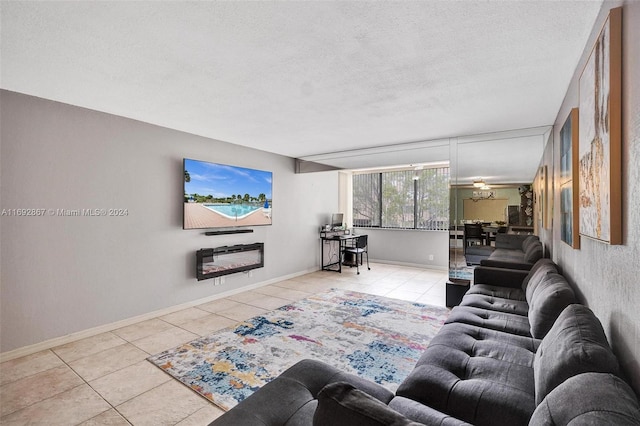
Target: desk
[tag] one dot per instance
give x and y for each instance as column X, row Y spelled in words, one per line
column 335, row 258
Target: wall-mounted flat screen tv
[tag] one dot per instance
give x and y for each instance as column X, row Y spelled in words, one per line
column 221, row 196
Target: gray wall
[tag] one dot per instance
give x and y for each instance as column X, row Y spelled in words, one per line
column 66, row 274
column 410, row 248
column 607, row 277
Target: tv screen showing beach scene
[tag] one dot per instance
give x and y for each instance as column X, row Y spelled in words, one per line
column 220, row 196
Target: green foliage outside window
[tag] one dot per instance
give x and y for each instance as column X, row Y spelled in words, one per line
column 408, row 199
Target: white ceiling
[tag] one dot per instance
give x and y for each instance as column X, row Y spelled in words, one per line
column 302, row 78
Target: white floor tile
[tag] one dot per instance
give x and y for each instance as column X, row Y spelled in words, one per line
column 111, row 368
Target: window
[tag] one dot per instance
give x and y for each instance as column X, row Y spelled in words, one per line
column 406, row 199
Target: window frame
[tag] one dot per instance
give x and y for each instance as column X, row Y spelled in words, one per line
column 441, row 224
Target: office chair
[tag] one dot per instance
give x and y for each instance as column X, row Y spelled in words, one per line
column 472, row 234
column 358, row 249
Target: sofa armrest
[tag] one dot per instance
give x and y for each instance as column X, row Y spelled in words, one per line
column 524, row 266
column 342, row 404
column 502, row 277
column 290, row 398
column 423, row 414
column 589, row 398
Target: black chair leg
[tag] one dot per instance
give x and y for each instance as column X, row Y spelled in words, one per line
column 368, row 267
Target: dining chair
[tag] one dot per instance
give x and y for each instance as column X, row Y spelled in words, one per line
column 500, row 230
column 473, row 234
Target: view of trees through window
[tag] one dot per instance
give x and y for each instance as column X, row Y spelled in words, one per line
column 407, row 199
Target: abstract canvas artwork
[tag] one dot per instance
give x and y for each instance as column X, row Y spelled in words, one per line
column 600, row 136
column 566, row 213
column 569, row 180
column 541, row 197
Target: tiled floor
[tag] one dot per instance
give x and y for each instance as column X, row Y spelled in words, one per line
column 106, row 380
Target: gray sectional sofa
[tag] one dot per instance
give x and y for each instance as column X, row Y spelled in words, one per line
column 511, row 251
column 518, row 350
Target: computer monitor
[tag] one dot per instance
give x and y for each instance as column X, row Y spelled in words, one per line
column 336, row 220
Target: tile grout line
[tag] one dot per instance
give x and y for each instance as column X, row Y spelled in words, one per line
column 91, row 387
column 84, row 382
column 315, row 280
column 114, row 407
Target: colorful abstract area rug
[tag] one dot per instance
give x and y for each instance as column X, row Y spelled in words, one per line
column 374, row 337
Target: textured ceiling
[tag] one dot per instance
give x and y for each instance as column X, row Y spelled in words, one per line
column 302, row 78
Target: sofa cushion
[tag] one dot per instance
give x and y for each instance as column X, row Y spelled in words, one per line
column 575, row 344
column 498, row 291
column 511, row 241
column 589, row 399
column 498, row 304
column 533, row 253
column 531, row 239
column 515, row 256
column 342, row 404
column 537, row 273
column 507, row 255
column 472, row 373
column 493, row 320
column 548, row 300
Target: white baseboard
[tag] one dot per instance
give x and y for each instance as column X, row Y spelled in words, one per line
column 62, row 340
column 411, row 265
